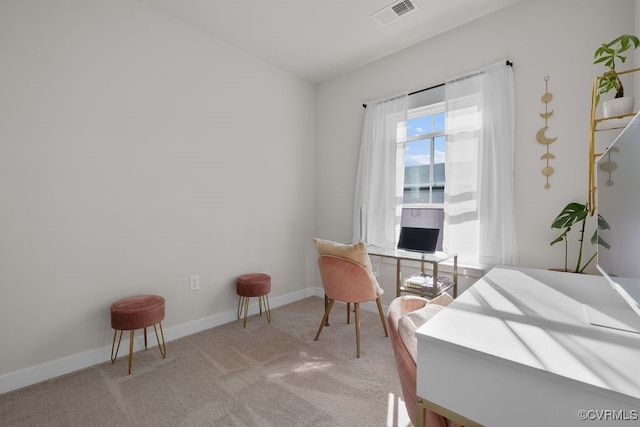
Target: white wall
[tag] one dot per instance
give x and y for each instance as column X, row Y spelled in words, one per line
column 134, row 152
column 541, row 38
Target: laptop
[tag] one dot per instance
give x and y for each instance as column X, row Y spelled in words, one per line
column 418, row 239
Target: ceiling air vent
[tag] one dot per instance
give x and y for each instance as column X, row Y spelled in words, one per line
column 393, row 11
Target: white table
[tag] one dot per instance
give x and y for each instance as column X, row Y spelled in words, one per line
column 516, row 349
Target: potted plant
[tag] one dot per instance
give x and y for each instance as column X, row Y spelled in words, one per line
column 607, row 54
column 577, row 213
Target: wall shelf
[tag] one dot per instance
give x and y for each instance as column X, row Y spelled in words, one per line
column 599, row 124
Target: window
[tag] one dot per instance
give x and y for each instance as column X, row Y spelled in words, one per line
column 479, row 224
column 424, row 160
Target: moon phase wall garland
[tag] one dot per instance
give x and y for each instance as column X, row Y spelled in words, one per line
column 547, row 171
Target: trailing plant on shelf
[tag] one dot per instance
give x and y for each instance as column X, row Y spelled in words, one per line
column 607, row 54
column 577, row 213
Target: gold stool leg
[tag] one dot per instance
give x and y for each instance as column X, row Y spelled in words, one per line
column 163, row 347
column 145, row 338
column 240, row 301
column 246, row 310
column 131, row 350
column 267, row 309
column 115, row 356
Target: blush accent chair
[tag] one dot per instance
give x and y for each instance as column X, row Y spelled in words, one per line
column 404, row 307
column 347, row 277
column 347, row 281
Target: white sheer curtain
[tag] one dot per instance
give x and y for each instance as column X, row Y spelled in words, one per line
column 377, row 206
column 479, row 212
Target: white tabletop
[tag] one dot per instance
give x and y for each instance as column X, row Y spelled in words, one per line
column 533, row 321
column 437, row 256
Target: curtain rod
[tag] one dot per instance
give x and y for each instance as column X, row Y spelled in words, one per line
column 509, row 64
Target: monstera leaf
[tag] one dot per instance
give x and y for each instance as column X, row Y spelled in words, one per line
column 577, row 213
column 572, row 213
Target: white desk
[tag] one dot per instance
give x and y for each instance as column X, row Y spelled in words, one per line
column 516, row 349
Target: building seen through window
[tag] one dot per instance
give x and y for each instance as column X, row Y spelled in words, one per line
column 424, row 167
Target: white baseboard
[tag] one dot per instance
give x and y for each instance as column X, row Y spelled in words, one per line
column 56, row 368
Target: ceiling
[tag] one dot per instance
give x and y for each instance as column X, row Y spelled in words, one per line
column 321, row 39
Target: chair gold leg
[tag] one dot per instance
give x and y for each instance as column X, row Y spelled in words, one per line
column 384, row 324
column 163, row 347
column 348, row 313
column 326, row 302
column 324, row 319
column 145, row 338
column 115, row 356
column 357, row 309
column 131, row 350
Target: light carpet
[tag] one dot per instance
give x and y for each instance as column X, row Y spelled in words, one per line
column 264, row 375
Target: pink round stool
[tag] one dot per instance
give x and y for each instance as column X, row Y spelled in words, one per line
column 137, row 312
column 253, row 285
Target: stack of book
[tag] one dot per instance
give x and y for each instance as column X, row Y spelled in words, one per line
column 424, row 282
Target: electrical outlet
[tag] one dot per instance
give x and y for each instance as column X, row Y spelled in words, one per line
column 194, row 283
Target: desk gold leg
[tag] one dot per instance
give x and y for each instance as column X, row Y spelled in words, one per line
column 398, row 277
column 435, row 289
column 423, row 405
column 455, row 276
column 420, row 416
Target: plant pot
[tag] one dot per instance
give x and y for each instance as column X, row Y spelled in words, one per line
column 618, row 107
